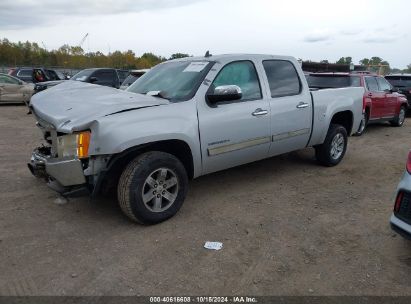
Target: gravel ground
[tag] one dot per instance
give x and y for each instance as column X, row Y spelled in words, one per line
column 289, row 227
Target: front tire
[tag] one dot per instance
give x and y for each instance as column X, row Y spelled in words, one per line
column 400, row 118
column 152, row 187
column 332, row 151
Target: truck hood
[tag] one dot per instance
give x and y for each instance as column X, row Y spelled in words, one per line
column 73, row 105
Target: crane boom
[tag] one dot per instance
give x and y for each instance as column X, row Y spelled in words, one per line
column 82, row 40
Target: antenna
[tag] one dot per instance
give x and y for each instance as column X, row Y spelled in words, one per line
column 45, row 47
column 207, row 54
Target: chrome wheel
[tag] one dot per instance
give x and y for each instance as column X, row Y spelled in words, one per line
column 401, row 116
column 337, row 146
column 160, row 190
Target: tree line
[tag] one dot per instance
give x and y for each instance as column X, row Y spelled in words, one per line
column 373, row 64
column 74, row 57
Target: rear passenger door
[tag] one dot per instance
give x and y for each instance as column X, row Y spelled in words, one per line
column 390, row 100
column 290, row 104
column 377, row 97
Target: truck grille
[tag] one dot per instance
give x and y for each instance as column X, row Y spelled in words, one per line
column 404, row 209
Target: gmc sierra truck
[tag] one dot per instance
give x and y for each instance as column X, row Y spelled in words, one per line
column 183, row 119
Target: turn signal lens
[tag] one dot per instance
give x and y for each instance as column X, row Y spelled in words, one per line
column 83, row 143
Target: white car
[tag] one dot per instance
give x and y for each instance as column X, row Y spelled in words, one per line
column 401, row 217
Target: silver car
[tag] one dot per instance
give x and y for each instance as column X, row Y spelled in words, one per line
column 401, row 217
column 183, row 119
column 14, row 90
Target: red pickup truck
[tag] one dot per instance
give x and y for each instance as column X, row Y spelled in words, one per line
column 381, row 101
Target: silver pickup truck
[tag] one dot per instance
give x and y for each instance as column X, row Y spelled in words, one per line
column 183, row 119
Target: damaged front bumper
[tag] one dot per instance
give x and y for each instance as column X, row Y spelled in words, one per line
column 65, row 176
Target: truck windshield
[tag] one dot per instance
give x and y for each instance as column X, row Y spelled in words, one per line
column 331, row 81
column 177, row 81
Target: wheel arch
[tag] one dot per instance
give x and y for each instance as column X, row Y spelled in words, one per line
column 109, row 177
column 344, row 118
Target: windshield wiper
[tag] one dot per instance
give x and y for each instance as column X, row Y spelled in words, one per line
column 156, row 94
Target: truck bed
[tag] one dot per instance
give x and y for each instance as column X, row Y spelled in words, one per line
column 335, row 100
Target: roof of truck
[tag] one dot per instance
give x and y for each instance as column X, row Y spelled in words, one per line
column 230, row 57
column 399, row 75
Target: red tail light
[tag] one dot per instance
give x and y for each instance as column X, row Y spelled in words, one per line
column 409, row 163
column 398, row 201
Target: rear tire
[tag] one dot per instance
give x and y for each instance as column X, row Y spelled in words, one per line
column 400, row 118
column 332, row 151
column 152, row 187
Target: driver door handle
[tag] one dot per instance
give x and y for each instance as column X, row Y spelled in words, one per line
column 259, row 112
column 302, row 105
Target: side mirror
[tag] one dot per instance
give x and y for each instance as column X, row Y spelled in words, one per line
column 394, row 90
column 225, row 93
column 93, row 79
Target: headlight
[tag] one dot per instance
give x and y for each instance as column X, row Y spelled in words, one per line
column 76, row 144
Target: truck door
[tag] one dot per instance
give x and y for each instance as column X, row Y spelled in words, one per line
column 390, row 99
column 377, row 98
column 290, row 104
column 234, row 132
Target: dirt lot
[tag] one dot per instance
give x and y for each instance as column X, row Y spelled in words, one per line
column 289, row 227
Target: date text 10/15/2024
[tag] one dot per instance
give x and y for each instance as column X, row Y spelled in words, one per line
column 203, row 299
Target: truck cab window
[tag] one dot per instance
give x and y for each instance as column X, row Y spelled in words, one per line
column 371, row 84
column 242, row 74
column 282, row 78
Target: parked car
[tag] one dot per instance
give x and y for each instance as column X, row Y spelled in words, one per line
column 14, row 90
column 401, row 216
column 35, row 75
column 133, row 76
column 381, row 101
column 185, row 118
column 401, row 82
column 101, row 76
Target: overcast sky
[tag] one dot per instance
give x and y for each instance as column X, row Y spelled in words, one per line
column 313, row 29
